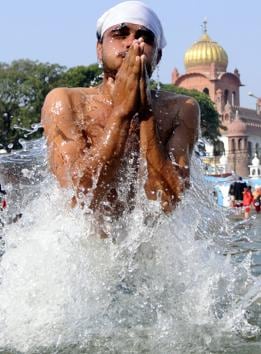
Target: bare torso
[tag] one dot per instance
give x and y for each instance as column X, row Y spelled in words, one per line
column 75, row 121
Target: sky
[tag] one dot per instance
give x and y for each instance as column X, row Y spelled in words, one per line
column 63, row 32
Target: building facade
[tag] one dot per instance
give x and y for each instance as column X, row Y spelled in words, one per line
column 206, row 71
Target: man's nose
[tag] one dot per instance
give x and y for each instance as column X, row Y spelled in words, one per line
column 129, row 40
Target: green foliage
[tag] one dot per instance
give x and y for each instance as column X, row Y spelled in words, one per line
column 209, row 116
column 82, row 76
column 24, row 85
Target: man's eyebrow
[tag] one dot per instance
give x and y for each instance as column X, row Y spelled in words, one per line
column 141, row 31
column 146, row 33
column 145, row 30
column 121, row 26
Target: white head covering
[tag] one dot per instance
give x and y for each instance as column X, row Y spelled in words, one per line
column 133, row 12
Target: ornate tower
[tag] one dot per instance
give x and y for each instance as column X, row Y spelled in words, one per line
column 206, row 71
column 206, row 64
column 237, row 155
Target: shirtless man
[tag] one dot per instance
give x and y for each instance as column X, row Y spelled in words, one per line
column 92, row 132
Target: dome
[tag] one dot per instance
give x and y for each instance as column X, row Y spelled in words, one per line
column 204, row 53
column 237, row 127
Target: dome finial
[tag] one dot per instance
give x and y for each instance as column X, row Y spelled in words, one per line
column 204, row 25
column 204, row 52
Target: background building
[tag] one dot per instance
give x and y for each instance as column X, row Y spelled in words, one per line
column 206, row 71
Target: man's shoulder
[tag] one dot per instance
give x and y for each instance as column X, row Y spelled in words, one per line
column 186, row 107
column 71, row 93
column 175, row 98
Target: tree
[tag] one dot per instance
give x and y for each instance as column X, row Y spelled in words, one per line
column 23, row 87
column 82, row 76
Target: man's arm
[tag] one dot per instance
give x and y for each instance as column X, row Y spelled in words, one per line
column 64, row 139
column 166, row 179
column 183, row 139
column 71, row 160
column 163, row 180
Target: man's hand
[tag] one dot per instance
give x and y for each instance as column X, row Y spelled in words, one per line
column 145, row 109
column 126, row 90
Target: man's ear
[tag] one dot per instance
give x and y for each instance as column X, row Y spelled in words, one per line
column 99, row 51
column 159, row 55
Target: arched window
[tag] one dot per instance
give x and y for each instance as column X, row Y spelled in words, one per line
column 257, row 148
column 226, row 93
column 206, row 91
column 233, row 145
column 249, row 149
column 233, row 98
column 240, row 144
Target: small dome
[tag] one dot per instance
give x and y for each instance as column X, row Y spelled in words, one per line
column 255, row 161
column 204, row 53
column 237, row 127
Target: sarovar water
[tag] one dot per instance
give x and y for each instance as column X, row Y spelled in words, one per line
column 186, row 283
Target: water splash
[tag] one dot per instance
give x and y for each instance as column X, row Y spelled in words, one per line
column 160, row 285
column 34, row 128
column 157, row 82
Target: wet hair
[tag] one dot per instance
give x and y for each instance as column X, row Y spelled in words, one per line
column 99, row 37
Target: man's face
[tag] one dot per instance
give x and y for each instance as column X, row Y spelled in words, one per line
column 116, row 42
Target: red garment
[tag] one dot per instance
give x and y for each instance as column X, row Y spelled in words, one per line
column 247, row 209
column 247, row 198
column 4, row 205
column 257, row 204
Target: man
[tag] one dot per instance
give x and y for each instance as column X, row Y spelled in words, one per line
column 239, row 187
column 2, row 191
column 96, row 135
column 247, row 201
column 231, row 194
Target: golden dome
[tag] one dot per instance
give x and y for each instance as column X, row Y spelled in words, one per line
column 204, row 53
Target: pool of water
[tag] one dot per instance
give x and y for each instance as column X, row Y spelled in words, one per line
column 187, row 283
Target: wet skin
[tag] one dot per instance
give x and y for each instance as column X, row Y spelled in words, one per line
column 91, row 131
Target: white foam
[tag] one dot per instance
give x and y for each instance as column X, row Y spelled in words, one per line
column 157, row 282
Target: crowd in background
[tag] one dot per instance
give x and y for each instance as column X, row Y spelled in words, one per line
column 242, row 196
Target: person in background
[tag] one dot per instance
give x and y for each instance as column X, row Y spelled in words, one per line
column 3, row 203
column 231, row 194
column 257, row 199
column 247, row 201
column 2, row 191
column 238, row 191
